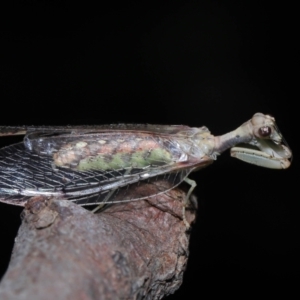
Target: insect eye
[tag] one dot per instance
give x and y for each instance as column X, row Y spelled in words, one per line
column 265, row 131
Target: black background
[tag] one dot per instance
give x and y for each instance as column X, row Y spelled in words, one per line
column 212, row 63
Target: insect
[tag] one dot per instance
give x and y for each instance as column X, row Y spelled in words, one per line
column 94, row 165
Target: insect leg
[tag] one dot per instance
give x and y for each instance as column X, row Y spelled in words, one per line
column 104, row 201
column 108, row 196
column 193, row 184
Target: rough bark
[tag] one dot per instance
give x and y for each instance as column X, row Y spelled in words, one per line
column 135, row 250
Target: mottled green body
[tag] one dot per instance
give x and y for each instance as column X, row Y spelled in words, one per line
column 132, row 150
column 139, row 159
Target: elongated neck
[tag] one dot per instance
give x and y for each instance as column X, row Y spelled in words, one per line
column 243, row 134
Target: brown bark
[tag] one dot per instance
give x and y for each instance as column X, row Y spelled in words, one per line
column 135, row 250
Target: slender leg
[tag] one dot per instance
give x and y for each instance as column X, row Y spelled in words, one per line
column 104, row 201
column 193, row 184
column 108, row 196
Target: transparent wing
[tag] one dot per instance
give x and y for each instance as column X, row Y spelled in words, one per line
column 48, row 140
column 94, row 164
column 161, row 129
column 124, row 194
column 24, row 174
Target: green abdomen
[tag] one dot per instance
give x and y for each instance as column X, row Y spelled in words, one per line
column 111, row 154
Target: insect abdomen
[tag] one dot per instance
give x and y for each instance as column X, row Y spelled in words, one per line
column 107, row 153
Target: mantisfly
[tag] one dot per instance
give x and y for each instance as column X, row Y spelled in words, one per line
column 91, row 165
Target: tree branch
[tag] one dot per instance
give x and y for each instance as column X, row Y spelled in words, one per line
column 134, row 250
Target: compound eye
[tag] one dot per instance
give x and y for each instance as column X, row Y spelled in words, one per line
column 265, row 131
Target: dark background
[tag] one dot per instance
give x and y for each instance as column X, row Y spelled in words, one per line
column 213, row 63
